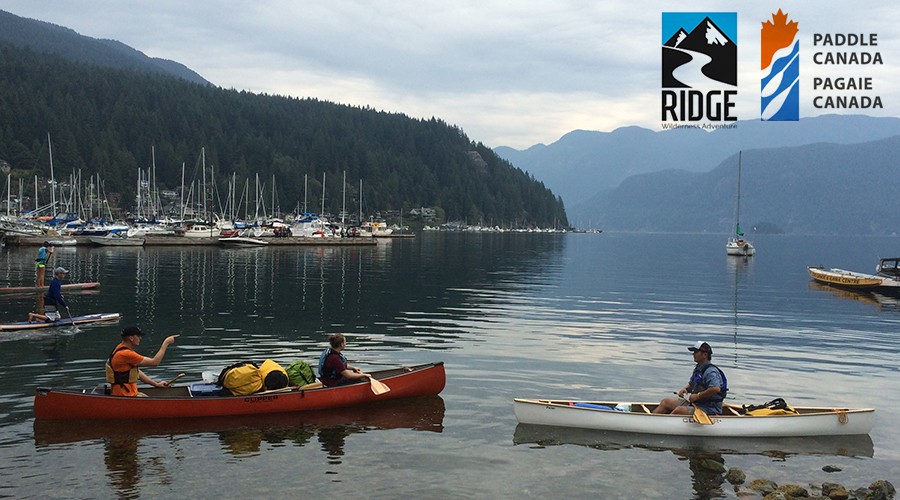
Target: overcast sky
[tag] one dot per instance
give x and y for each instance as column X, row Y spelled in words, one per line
column 511, row 73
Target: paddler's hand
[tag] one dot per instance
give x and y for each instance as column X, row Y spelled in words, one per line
column 162, row 384
column 170, row 339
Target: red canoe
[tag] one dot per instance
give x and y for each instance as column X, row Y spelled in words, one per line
column 180, row 402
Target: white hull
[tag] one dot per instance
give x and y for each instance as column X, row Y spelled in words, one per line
column 810, row 422
column 741, row 248
column 117, row 241
column 241, row 241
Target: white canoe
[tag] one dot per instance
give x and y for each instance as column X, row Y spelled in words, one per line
column 810, row 421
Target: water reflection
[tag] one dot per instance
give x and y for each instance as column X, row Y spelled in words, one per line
column 705, row 456
column 883, row 301
column 242, row 438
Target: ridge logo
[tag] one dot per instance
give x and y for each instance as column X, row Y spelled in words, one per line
column 779, row 60
column 699, row 66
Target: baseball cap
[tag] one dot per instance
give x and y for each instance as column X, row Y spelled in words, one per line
column 701, row 346
column 131, row 330
column 60, row 269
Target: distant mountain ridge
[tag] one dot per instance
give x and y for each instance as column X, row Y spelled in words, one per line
column 41, row 36
column 583, row 165
column 811, row 189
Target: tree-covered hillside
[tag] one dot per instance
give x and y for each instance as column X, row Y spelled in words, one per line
column 107, row 121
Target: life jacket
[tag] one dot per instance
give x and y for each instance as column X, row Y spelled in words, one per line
column 127, row 377
column 330, row 374
column 696, row 384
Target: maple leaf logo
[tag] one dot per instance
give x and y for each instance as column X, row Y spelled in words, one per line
column 776, row 34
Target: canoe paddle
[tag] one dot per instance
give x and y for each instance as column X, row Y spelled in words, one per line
column 378, row 388
column 700, row 416
column 176, row 378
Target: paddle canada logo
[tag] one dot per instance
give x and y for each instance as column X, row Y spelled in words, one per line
column 779, row 60
column 699, row 69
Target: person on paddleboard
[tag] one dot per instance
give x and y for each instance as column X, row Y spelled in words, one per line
column 53, row 300
column 705, row 390
column 40, row 263
column 333, row 367
column 122, row 366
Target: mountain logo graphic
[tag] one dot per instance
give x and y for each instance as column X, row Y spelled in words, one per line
column 779, row 60
column 699, row 49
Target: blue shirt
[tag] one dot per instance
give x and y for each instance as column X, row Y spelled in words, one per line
column 54, row 293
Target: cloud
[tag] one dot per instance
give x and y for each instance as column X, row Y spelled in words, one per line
column 507, row 72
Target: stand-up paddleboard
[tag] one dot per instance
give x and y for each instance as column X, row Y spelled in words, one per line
column 77, row 320
column 67, row 286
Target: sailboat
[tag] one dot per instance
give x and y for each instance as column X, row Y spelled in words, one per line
column 737, row 245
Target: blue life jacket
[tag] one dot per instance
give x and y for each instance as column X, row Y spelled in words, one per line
column 696, row 383
column 331, row 374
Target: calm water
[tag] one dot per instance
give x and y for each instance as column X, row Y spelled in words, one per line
column 604, row 316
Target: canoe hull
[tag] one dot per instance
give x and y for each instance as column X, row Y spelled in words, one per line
column 810, row 422
column 75, row 404
column 77, row 320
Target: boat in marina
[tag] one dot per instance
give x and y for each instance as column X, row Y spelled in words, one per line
column 201, row 231
column 118, row 239
column 737, row 245
column 886, row 279
column 192, row 401
column 242, row 241
column 66, row 286
column 77, row 320
column 637, row 418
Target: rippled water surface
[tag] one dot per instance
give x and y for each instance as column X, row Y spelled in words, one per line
column 578, row 316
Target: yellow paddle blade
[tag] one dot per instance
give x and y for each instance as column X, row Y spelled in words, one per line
column 378, row 387
column 701, row 417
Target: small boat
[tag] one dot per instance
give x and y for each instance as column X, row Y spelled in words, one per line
column 637, row 417
column 886, row 279
column 77, row 320
column 737, row 245
column 117, row 240
column 241, row 241
column 67, row 286
column 200, row 231
column 188, row 401
column 63, row 243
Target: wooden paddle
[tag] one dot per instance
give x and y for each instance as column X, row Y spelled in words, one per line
column 700, row 416
column 176, row 378
column 378, row 388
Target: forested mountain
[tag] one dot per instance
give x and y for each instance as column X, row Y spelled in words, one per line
column 49, row 38
column 106, row 121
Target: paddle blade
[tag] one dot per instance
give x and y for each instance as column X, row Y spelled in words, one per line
column 378, row 387
column 701, row 417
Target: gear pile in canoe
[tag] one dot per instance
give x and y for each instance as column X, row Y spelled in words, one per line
column 195, row 400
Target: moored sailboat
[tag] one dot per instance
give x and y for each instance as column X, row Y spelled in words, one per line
column 737, row 245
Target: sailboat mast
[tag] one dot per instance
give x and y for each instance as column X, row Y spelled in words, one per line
column 737, row 216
